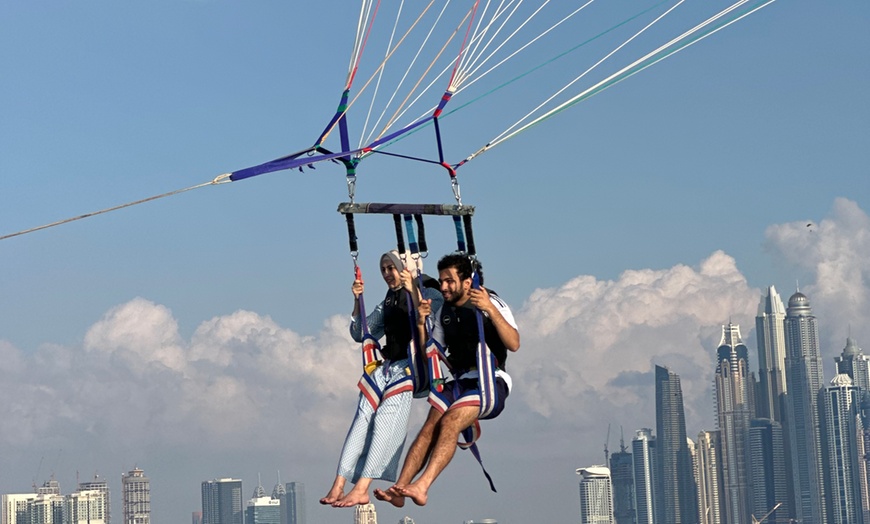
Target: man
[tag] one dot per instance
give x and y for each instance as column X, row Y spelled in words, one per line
column 456, row 330
column 376, row 437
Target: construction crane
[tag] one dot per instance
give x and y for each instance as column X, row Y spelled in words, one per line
column 756, row 521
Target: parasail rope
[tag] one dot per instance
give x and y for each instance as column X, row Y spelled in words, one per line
column 635, row 67
column 218, row 180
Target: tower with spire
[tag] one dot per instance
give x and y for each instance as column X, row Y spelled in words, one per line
column 770, row 333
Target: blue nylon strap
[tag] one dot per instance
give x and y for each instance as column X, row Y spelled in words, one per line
column 409, row 231
column 485, row 364
column 460, row 235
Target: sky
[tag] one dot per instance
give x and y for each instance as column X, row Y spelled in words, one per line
column 204, row 335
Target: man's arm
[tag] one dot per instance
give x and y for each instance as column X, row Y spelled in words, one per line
column 500, row 315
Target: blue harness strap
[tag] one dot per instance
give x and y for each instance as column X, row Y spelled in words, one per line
column 370, row 348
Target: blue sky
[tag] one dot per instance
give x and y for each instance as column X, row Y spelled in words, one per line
column 703, row 170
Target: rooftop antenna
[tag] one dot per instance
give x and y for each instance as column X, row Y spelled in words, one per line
column 606, row 452
column 622, row 447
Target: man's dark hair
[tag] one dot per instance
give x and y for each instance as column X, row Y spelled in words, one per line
column 462, row 264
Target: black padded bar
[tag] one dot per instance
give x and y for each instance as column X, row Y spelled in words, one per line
column 421, row 233
column 469, row 235
column 351, row 233
column 400, row 237
column 410, row 209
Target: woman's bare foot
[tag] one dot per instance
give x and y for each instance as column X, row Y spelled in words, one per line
column 336, row 492
column 353, row 497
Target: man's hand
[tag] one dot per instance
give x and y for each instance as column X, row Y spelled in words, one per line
column 423, row 311
column 480, row 299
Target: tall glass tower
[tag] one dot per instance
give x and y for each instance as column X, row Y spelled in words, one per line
column 295, row 503
column 678, row 496
column 222, row 501
column 855, row 363
column 844, row 444
column 643, row 448
column 770, row 332
column 596, row 495
column 766, row 468
column 622, row 479
column 136, row 493
column 734, row 411
column 805, row 378
column 709, row 474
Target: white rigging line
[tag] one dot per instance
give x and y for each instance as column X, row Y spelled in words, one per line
column 630, row 70
column 368, row 139
column 381, row 73
column 584, row 73
column 527, row 44
column 365, row 10
column 474, row 55
column 476, row 34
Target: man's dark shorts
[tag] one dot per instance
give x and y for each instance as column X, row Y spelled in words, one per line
column 469, row 387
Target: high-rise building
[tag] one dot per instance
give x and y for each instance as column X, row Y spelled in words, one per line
column 709, row 477
column 262, row 509
column 406, row 520
column 622, row 478
column 295, row 503
column 365, row 514
column 13, row 508
column 136, row 488
column 222, row 501
column 854, row 363
column 643, row 457
column 805, row 378
column 770, row 332
column 196, row 517
column 84, row 507
column 102, row 486
column 766, row 468
column 677, row 501
column 46, row 508
column 596, row 495
column 842, row 439
column 733, row 412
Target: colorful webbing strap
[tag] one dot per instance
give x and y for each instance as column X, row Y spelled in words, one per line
column 485, row 364
column 370, row 348
column 417, row 357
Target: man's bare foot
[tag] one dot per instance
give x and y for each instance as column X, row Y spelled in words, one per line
column 336, row 493
column 352, row 498
column 391, row 496
column 416, row 493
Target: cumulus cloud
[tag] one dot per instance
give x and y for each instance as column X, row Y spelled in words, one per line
column 836, row 252
column 591, row 344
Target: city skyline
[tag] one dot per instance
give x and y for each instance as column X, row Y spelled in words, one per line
column 204, row 335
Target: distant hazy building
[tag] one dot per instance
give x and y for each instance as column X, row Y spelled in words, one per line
column 733, row 413
column 262, row 509
column 365, row 514
column 13, row 507
column 766, row 468
column 709, row 477
column 842, row 439
column 677, row 501
column 85, row 507
column 295, row 498
column 854, row 363
column 46, row 508
column 102, row 486
column 622, row 478
column 805, row 378
column 596, row 495
column 770, row 333
column 222, row 501
column 196, row 517
column 406, row 520
column 136, row 492
column 643, row 448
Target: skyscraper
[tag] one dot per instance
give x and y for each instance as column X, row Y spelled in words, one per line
column 365, row 514
column 733, row 412
column 843, row 440
column 262, row 509
column 709, row 475
column 295, row 503
column 643, row 456
column 13, row 508
column 622, row 479
column 677, row 501
column 84, row 507
column 102, row 486
column 596, row 495
column 804, row 377
column 854, row 363
column 766, row 468
column 222, row 501
column 770, row 332
column 136, row 488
